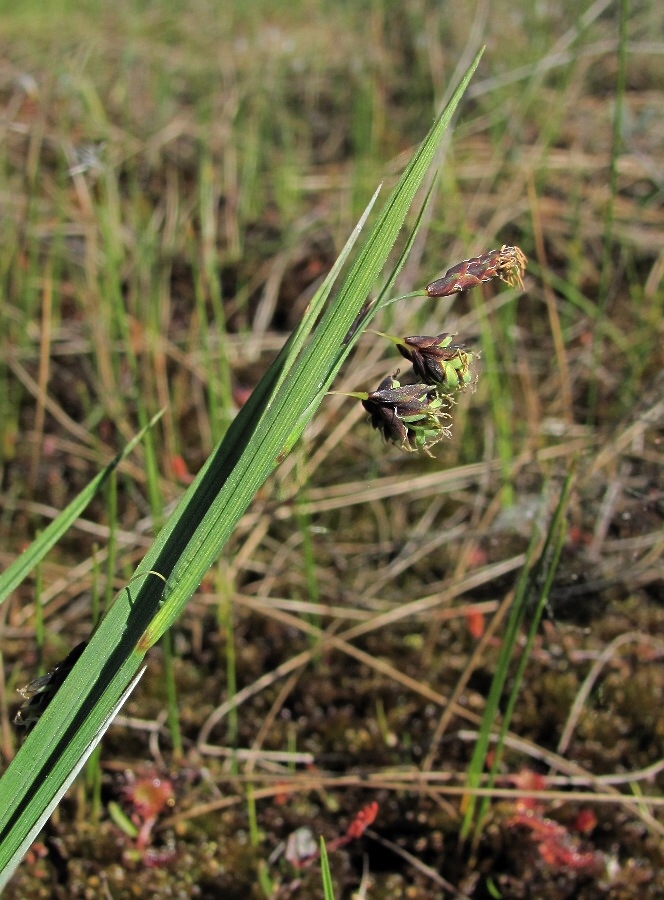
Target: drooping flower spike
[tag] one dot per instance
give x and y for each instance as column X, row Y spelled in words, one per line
column 508, row 264
column 436, row 360
column 411, row 415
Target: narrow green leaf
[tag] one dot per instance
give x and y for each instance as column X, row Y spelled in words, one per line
column 15, row 573
column 535, row 573
column 540, row 579
column 328, row 887
column 76, row 763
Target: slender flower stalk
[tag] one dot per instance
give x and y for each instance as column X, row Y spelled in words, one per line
column 508, row 264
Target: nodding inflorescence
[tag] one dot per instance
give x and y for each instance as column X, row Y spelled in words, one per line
column 415, row 415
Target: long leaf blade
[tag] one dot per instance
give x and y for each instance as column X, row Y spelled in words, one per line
column 21, row 567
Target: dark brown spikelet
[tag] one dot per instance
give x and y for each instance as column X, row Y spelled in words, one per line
column 436, row 360
column 40, row 691
column 508, row 264
column 410, row 415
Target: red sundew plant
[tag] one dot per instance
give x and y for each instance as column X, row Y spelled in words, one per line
column 557, row 846
column 364, row 818
column 148, row 797
column 301, row 849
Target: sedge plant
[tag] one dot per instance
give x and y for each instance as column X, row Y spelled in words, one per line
column 261, row 436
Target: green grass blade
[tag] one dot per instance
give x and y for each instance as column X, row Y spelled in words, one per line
column 328, row 887
column 532, row 576
column 77, row 763
column 491, row 709
column 542, row 575
column 15, row 573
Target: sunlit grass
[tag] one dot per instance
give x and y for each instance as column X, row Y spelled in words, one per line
column 232, row 149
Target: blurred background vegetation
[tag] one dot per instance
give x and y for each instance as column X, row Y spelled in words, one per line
column 176, row 180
